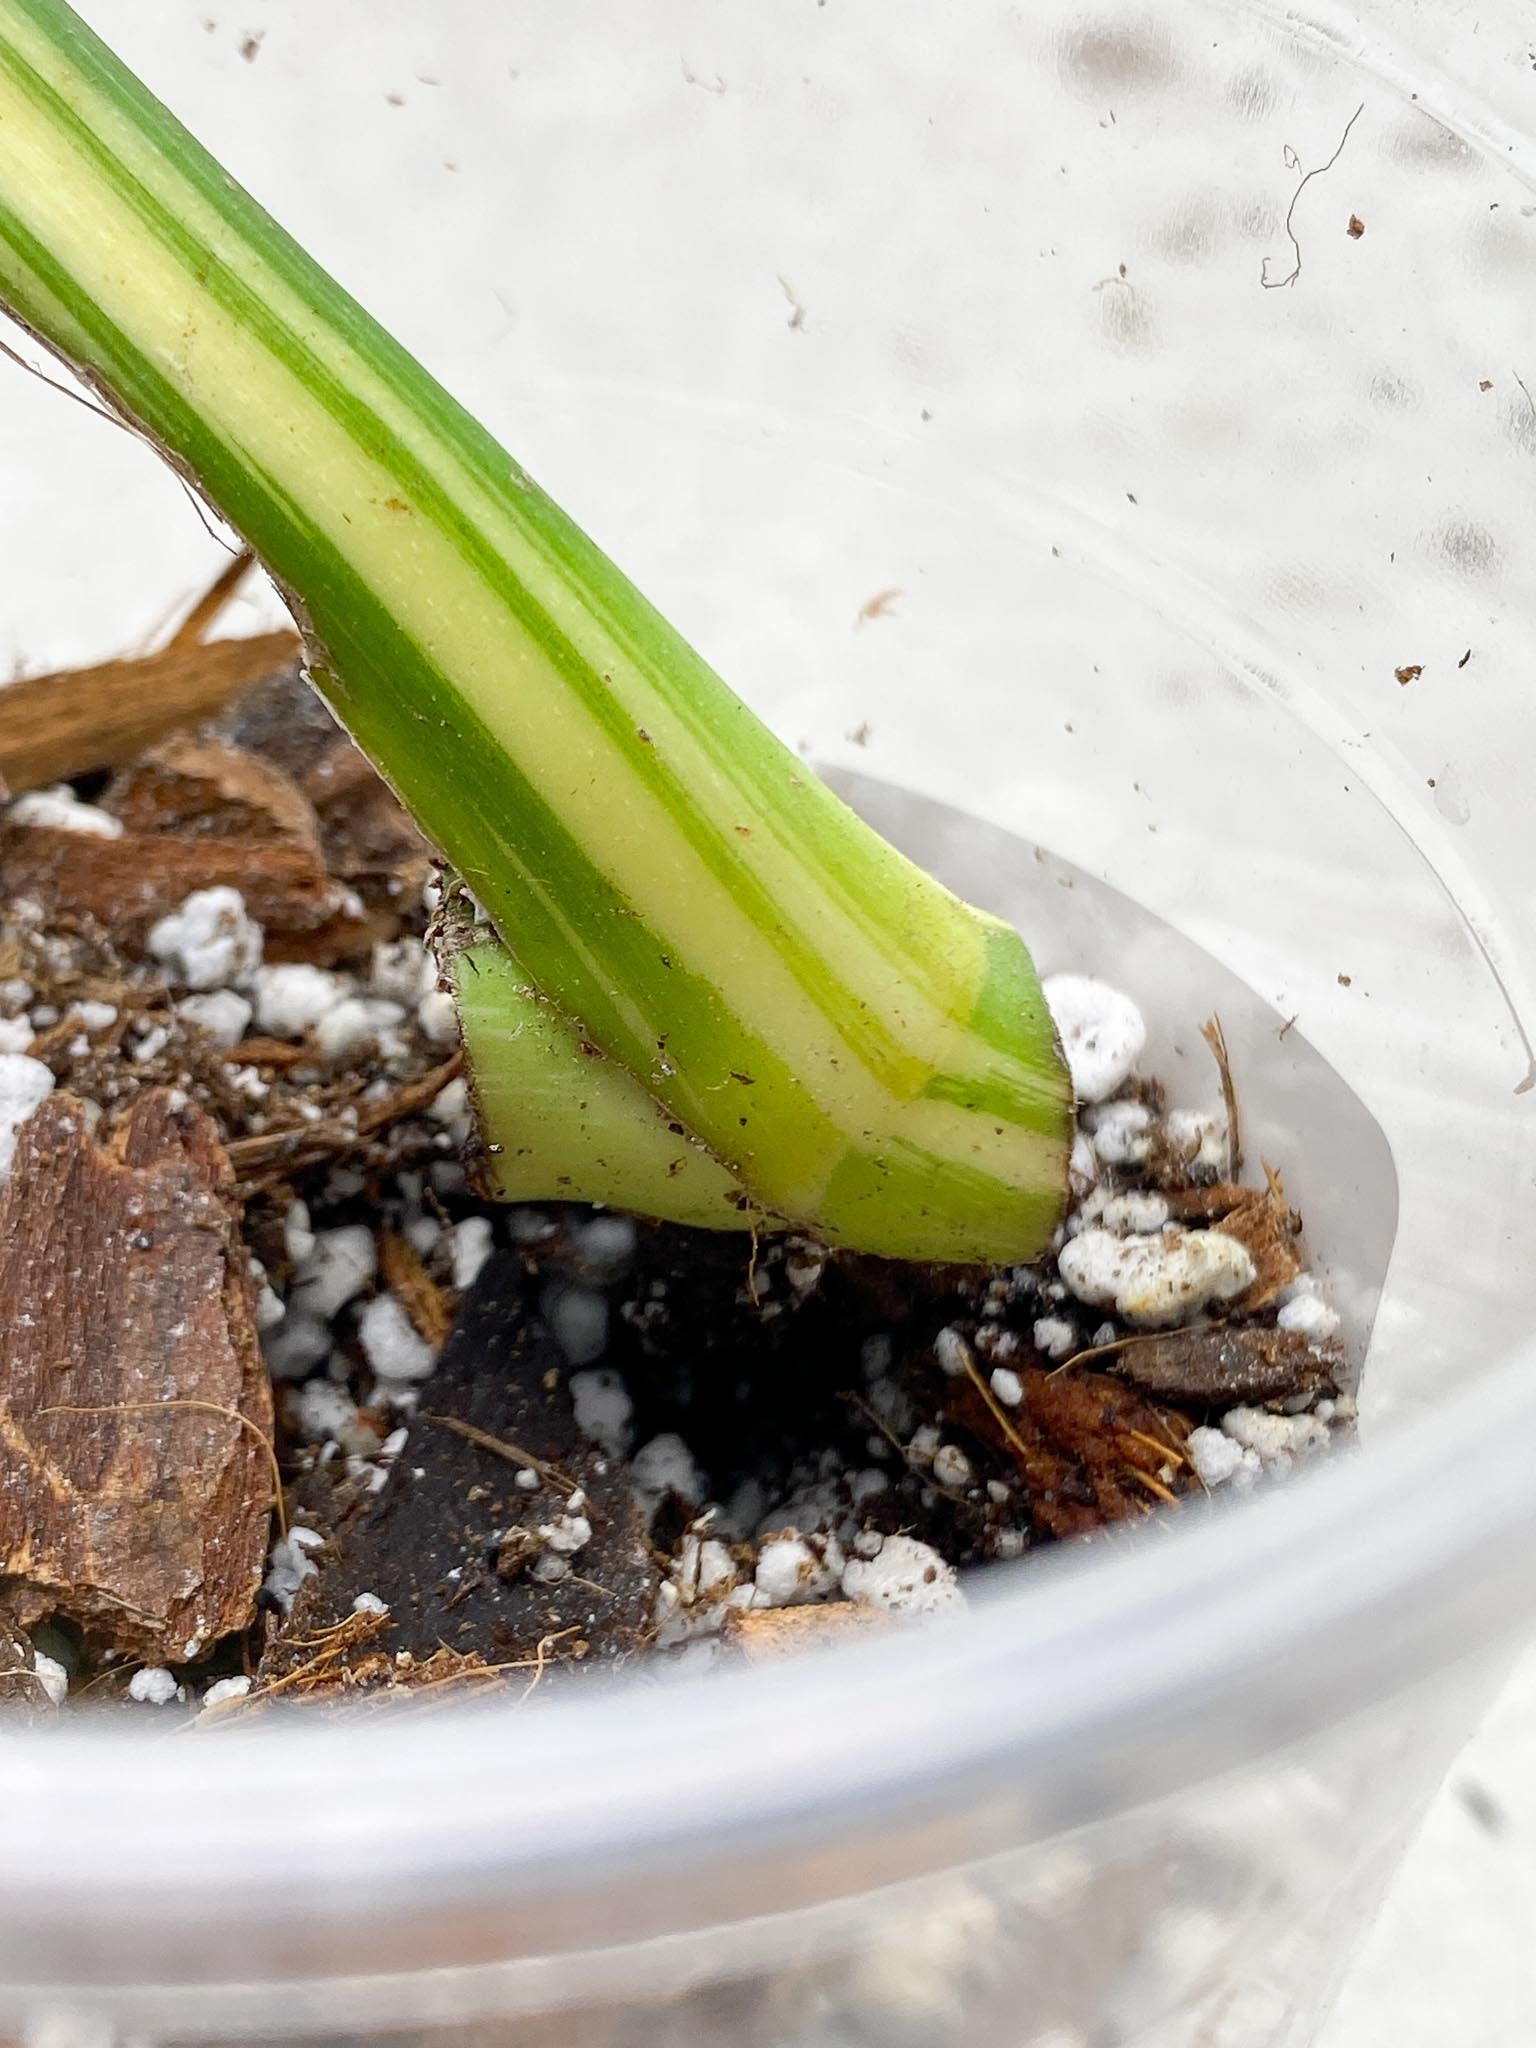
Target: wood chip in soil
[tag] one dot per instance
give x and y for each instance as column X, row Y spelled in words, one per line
column 366, row 834
column 451, row 1544
column 201, row 787
column 405, row 1274
column 768, row 1635
column 1269, row 1231
column 56, row 726
column 1089, row 1448
column 1222, row 1368
column 127, row 885
column 1199, row 1205
column 136, row 1482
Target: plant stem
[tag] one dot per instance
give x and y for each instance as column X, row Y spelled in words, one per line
column 852, row 1049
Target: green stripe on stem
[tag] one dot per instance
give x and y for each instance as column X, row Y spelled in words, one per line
column 850, row 1048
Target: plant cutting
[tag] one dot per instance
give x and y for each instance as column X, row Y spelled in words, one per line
column 707, row 992
column 809, row 1368
column 678, row 979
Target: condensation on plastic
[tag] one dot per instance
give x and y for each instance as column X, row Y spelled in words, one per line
column 795, row 307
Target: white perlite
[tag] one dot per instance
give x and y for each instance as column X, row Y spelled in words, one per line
column 602, row 1247
column 1138, row 1213
column 422, row 1232
column 666, row 1465
column 952, row 1352
column 1083, row 1166
column 209, row 942
column 402, row 969
column 450, row 1105
column 296, row 1346
column 222, row 1012
column 269, row 1303
column 355, row 1022
column 1217, row 1457
column 223, row 1689
column 1276, row 1440
column 25, row 1084
column 1007, row 1386
column 1102, row 1031
column 910, row 1982
column 790, row 1573
column 152, row 1041
column 701, row 1586
column 1055, row 1336
column 391, row 1342
column 298, row 1237
column 1199, row 1136
column 292, row 997
column 604, row 1411
column 51, row 1676
column 438, row 1016
column 16, row 1034
column 471, row 1249
column 908, row 1577
column 321, row 1409
column 578, row 1322
column 154, row 1686
column 1154, row 1281
column 290, row 1565
column 1310, row 1317
column 338, row 1266
column 952, row 1468
column 63, row 810
column 1122, row 1133
column 566, row 1535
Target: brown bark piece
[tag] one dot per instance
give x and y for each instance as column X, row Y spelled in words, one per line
column 1206, row 1204
column 1108, row 1431
column 1267, row 1228
column 196, row 785
column 198, row 812
column 135, row 1410
column 424, row 1301
column 199, row 788
column 764, row 1635
column 56, row 726
column 366, row 832
column 1218, row 1368
column 1085, row 1445
column 127, row 884
column 272, row 1053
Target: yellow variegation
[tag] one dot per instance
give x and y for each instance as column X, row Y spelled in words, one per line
column 691, row 915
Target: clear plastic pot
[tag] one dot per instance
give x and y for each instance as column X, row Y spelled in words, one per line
column 1213, row 593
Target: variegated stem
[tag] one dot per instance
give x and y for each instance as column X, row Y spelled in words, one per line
column 852, row 1048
